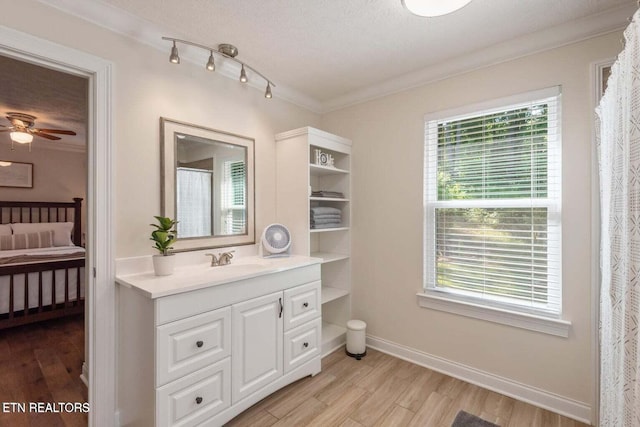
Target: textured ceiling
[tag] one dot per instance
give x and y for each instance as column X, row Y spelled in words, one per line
column 58, row 100
column 328, row 48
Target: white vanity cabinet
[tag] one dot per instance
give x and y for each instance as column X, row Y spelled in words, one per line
column 200, row 355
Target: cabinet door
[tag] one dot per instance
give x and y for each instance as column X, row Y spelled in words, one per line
column 257, row 344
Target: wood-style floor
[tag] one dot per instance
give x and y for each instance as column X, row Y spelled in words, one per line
column 42, row 363
column 381, row 390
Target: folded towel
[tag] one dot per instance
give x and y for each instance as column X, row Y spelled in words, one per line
column 325, row 210
column 325, row 216
column 325, row 226
column 324, row 193
column 326, row 221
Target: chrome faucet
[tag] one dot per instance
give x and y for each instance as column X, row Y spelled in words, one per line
column 214, row 260
column 225, row 258
column 222, row 259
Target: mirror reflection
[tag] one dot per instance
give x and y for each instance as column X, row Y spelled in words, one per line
column 207, row 185
column 211, row 187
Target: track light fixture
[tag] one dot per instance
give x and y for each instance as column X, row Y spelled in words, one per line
column 211, row 66
column 243, row 75
column 174, row 58
column 225, row 50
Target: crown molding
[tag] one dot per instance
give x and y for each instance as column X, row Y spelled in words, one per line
column 614, row 19
column 145, row 32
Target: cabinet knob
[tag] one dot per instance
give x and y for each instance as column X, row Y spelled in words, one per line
column 198, row 400
column 199, row 344
column 305, row 345
column 305, row 304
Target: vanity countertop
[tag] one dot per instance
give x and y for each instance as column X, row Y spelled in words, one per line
column 193, row 277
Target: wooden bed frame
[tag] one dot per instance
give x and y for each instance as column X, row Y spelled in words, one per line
column 35, row 212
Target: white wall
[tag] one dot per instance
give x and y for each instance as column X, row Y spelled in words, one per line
column 58, row 176
column 387, row 136
column 147, row 86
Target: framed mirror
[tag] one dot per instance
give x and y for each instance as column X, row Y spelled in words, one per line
column 207, row 185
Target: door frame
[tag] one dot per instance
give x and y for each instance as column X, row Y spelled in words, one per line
column 100, row 286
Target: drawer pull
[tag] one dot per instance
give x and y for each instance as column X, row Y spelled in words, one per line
column 305, row 304
column 305, row 345
column 199, row 344
column 198, row 400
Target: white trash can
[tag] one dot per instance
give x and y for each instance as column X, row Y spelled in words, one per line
column 356, row 339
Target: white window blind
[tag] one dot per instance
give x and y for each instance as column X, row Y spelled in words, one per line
column 492, row 202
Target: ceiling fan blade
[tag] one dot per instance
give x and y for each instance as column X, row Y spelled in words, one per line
column 58, row 131
column 6, row 130
column 45, row 135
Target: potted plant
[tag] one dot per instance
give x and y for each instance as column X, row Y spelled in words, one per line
column 164, row 235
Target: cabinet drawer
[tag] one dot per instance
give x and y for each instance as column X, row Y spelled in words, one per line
column 301, row 304
column 302, row 344
column 196, row 397
column 184, row 346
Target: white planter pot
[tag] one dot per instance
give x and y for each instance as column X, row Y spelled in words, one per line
column 163, row 264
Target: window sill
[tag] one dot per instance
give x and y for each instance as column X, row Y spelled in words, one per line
column 531, row 322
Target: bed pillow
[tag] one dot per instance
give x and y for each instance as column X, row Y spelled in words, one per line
column 5, row 230
column 40, row 239
column 61, row 230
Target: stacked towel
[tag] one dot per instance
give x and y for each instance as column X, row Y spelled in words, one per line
column 325, row 217
column 324, row 193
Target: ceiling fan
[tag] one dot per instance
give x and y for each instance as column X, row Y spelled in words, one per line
column 22, row 129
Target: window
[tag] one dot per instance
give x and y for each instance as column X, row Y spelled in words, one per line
column 492, row 205
column 234, row 198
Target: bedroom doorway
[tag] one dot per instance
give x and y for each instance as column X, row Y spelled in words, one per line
column 43, row 177
column 100, row 296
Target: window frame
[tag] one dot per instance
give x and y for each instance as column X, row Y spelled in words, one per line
column 539, row 319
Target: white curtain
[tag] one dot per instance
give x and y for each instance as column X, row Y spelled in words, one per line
column 193, row 189
column 618, row 133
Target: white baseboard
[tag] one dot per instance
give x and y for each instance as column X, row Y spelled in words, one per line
column 579, row 411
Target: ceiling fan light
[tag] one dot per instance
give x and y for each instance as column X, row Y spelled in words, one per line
column 243, row 75
column 431, row 8
column 174, row 58
column 21, row 137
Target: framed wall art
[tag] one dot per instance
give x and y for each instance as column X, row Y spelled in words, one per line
column 15, row 174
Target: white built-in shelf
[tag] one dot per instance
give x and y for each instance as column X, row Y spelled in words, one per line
column 318, row 170
column 331, row 332
column 327, row 199
column 325, row 230
column 328, row 256
column 330, row 294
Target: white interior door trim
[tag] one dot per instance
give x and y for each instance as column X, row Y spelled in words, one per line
column 100, row 285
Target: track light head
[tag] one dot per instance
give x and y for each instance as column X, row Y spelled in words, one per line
column 174, row 58
column 243, row 75
column 211, row 66
column 267, row 93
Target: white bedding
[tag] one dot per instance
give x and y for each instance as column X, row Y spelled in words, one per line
column 47, row 283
